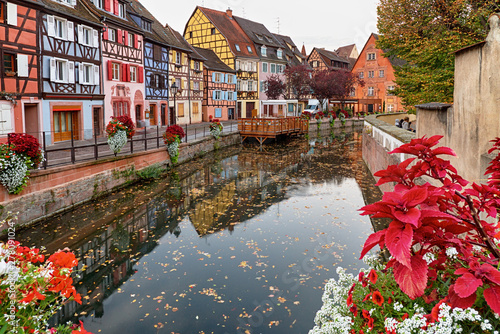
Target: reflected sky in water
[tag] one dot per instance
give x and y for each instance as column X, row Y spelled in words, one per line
column 239, row 242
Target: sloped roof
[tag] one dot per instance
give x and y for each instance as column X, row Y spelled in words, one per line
column 187, row 46
column 330, row 55
column 212, row 62
column 104, row 15
column 79, row 12
column 159, row 33
column 293, row 52
column 232, row 32
column 345, row 51
column 395, row 61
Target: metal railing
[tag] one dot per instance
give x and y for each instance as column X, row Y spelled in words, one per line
column 94, row 144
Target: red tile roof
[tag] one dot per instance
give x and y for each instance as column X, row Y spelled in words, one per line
column 233, row 33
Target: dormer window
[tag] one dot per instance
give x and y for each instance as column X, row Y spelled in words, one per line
column 263, row 51
column 68, row 2
column 280, row 54
column 146, row 25
column 259, row 37
column 99, row 4
column 237, row 47
column 249, row 49
column 269, row 39
column 121, row 10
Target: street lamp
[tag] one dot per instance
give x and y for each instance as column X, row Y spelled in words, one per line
column 174, row 89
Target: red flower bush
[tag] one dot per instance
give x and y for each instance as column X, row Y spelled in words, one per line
column 128, row 123
column 169, row 138
column 23, row 143
column 176, row 130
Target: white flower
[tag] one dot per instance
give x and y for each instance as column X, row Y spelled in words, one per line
column 117, row 141
column 451, row 252
column 429, row 257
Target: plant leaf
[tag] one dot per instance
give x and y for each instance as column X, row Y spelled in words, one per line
column 467, row 284
column 413, row 280
column 372, row 240
column 398, row 241
column 492, row 297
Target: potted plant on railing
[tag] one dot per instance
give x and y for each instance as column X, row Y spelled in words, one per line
column 17, row 157
column 444, row 243
column 172, row 138
column 117, row 135
column 32, row 289
column 216, row 128
column 319, row 119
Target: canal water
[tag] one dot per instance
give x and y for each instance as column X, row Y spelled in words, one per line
column 241, row 241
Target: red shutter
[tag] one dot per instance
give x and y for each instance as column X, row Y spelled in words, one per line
column 115, row 7
column 107, row 5
column 128, row 72
column 136, row 41
column 110, row 70
column 141, row 74
column 125, row 38
column 119, row 37
column 105, row 34
column 123, row 76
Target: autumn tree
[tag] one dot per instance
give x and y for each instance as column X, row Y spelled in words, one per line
column 297, row 81
column 323, row 86
column 343, row 83
column 425, row 34
column 274, row 87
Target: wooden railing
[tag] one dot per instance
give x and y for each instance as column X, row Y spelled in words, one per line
column 271, row 127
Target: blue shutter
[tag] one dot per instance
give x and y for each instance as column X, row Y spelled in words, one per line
column 213, row 95
column 213, row 77
column 226, row 95
column 235, row 96
column 234, row 79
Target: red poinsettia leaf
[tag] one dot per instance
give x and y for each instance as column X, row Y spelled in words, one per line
column 490, row 273
column 444, row 150
column 398, row 241
column 431, row 141
column 467, row 284
column 457, row 301
column 372, row 240
column 437, row 214
column 415, row 196
column 492, row 297
column 410, row 216
column 412, row 280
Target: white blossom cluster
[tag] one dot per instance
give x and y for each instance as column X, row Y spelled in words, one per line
column 117, row 141
column 13, row 172
column 451, row 252
column 173, row 148
column 429, row 257
column 216, row 131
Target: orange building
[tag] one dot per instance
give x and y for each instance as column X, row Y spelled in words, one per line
column 377, row 72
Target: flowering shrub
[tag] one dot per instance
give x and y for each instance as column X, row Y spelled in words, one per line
column 117, row 135
column 343, row 115
column 128, row 123
column 114, row 126
column 176, row 130
column 172, row 138
column 16, row 159
column 216, row 128
column 306, row 115
column 444, row 247
column 32, row 289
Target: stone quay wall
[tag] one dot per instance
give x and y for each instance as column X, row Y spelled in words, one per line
column 58, row 189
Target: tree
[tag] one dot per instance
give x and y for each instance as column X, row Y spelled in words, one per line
column 344, row 82
column 275, row 87
column 297, row 81
column 425, row 34
column 323, row 85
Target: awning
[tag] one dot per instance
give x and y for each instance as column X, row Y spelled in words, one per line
column 66, row 108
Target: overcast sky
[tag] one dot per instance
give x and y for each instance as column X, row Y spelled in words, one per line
column 326, row 24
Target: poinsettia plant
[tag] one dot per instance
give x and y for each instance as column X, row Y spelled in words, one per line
column 433, row 219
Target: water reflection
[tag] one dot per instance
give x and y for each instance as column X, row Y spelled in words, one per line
column 241, row 242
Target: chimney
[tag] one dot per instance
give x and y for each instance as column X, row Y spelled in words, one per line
column 229, row 12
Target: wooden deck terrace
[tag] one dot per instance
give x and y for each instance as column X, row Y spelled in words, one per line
column 264, row 128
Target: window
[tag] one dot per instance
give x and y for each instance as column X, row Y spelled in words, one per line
column 238, row 85
column 353, row 91
column 196, row 65
column 259, row 37
column 381, row 73
column 86, row 74
column 112, row 35
column 230, row 78
column 249, row 49
column 61, row 30
column 217, row 95
column 190, row 34
column 8, row 62
column 371, row 74
column 315, row 63
column 361, row 75
column 178, row 58
column 146, row 25
column 280, row 54
column 61, row 70
column 196, row 85
column 390, row 90
column 212, row 31
column 195, row 108
column 115, row 72
column 178, row 83
column 371, row 91
column 264, row 67
column 390, row 107
column 250, row 86
column 6, row 124
column 269, row 39
column 263, row 86
column 133, row 74
column 371, row 56
column 85, row 35
column 281, row 68
column 121, row 10
column 217, row 77
column 230, row 96
column 180, row 110
column 131, row 40
column 273, row 68
column 99, row 4
column 218, row 112
column 237, row 47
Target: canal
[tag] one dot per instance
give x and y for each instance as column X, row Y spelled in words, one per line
column 241, row 241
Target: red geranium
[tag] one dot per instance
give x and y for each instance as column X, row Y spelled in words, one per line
column 128, row 123
column 377, row 298
column 176, row 130
column 23, row 143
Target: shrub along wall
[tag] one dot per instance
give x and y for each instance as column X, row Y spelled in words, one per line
column 55, row 190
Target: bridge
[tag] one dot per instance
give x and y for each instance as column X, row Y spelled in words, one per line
column 265, row 128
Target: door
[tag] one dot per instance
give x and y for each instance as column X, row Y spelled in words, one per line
column 172, row 116
column 152, row 114
column 230, row 113
column 98, row 128
column 370, row 108
column 31, row 120
column 250, row 106
column 163, row 114
column 138, row 116
column 65, row 122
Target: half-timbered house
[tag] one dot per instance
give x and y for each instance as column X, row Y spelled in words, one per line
column 122, row 60
column 178, row 74
column 20, row 105
column 71, row 77
column 220, row 32
column 219, row 87
column 321, row 59
column 157, row 44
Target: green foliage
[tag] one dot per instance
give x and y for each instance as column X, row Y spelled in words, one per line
column 426, row 34
column 154, row 171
